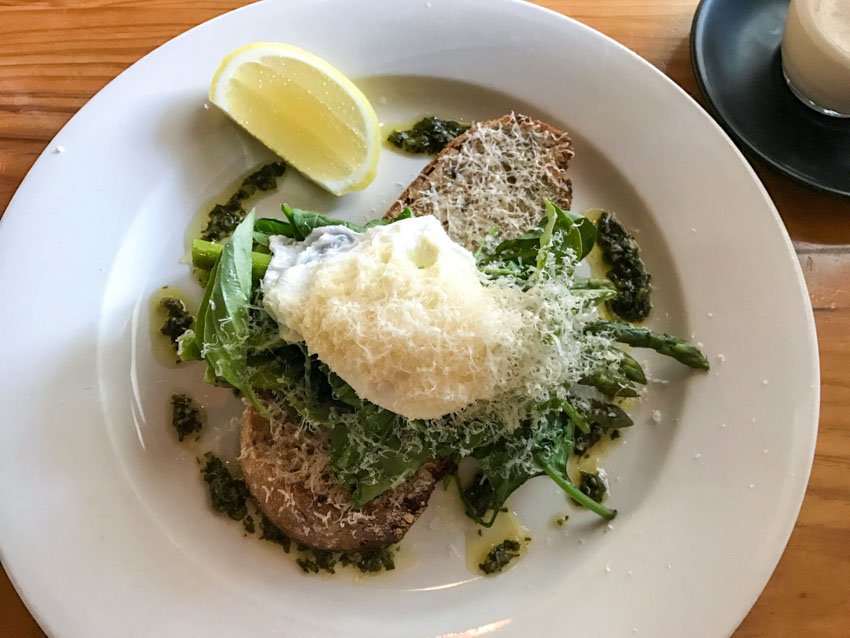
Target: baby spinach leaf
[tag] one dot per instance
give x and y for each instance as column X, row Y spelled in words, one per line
column 395, row 463
column 341, row 390
column 552, row 434
column 267, row 226
column 587, row 230
column 191, row 343
column 560, row 235
column 383, row 221
column 223, row 318
column 565, row 237
column 300, row 223
column 552, row 459
column 546, row 237
column 488, row 492
column 517, row 254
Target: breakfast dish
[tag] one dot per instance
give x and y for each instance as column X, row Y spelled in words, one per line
column 373, row 359
column 113, row 497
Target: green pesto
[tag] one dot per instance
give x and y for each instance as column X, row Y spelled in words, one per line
column 309, row 566
column 229, row 495
column 367, row 561
column 178, row 319
column 185, row 416
column 594, row 486
column 628, row 273
column 375, row 560
column 499, row 557
column 270, row 532
column 313, row 561
column 429, row 135
column 224, row 218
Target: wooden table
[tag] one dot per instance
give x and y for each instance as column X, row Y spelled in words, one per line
column 56, row 54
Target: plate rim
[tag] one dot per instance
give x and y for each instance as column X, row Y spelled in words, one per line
column 39, row 613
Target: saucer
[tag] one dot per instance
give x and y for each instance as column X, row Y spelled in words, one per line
column 735, row 53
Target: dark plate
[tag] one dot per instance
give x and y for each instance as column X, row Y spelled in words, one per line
column 736, row 59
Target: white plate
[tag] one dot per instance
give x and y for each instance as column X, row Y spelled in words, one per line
column 103, row 520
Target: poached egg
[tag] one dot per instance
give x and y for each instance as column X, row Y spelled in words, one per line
column 399, row 312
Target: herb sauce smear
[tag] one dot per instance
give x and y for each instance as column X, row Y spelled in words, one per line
column 163, row 349
column 480, row 541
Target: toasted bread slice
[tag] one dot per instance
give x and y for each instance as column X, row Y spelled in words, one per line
column 497, row 174
column 287, row 471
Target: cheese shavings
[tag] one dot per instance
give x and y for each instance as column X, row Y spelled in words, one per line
column 399, row 312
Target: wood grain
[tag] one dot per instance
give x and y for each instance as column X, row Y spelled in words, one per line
column 56, row 54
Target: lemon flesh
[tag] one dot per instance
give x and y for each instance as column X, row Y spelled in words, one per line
column 304, row 110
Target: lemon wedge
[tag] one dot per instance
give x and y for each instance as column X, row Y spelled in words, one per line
column 304, row 110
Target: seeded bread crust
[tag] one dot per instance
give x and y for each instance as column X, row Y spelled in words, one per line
column 309, row 506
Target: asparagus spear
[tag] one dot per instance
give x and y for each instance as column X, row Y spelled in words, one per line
column 617, row 382
column 608, row 416
column 610, row 383
column 631, row 369
column 578, row 420
column 206, row 253
column 665, row 344
column 592, row 283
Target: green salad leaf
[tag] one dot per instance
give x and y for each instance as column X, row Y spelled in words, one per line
column 551, row 433
column 561, row 236
column 395, row 463
column 205, row 254
column 300, row 223
column 222, row 327
column 553, row 458
column 226, row 316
